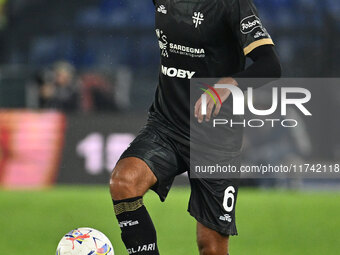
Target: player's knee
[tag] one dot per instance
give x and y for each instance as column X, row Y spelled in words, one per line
column 122, row 185
column 208, row 247
column 131, row 178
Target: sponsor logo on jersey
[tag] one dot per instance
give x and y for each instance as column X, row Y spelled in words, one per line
column 163, row 43
column 250, row 23
column 259, row 34
column 142, row 248
column 187, row 51
column 225, row 217
column 166, row 47
column 128, row 223
column 197, row 18
column 178, row 73
column 162, row 9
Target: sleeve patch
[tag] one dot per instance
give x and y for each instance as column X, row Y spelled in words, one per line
column 249, row 24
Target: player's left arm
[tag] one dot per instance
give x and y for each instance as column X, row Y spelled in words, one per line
column 265, row 64
column 242, row 17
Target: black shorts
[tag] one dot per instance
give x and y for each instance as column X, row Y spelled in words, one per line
column 212, row 201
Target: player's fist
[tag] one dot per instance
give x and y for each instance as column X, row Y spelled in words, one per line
column 212, row 106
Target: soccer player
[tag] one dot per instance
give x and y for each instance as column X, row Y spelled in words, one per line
column 197, row 38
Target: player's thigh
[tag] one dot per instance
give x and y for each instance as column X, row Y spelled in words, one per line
column 130, row 178
column 151, row 161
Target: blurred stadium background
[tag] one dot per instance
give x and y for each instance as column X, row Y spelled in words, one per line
column 76, row 79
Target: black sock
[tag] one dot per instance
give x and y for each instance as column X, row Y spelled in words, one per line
column 138, row 231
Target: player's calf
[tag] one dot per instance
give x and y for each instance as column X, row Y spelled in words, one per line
column 130, row 180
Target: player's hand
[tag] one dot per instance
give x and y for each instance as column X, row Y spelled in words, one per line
column 223, row 93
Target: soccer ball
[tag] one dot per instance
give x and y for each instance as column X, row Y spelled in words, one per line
column 84, row 241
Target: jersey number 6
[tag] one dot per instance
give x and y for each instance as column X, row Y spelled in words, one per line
column 229, row 199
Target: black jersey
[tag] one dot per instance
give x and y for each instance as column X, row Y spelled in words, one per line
column 200, row 38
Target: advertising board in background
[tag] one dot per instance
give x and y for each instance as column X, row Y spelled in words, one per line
column 93, row 145
column 30, row 148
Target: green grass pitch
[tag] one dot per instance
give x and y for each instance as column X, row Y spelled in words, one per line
column 269, row 222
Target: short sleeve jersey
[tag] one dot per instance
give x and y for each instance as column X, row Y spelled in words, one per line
column 201, row 39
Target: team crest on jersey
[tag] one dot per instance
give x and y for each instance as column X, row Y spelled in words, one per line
column 198, row 18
